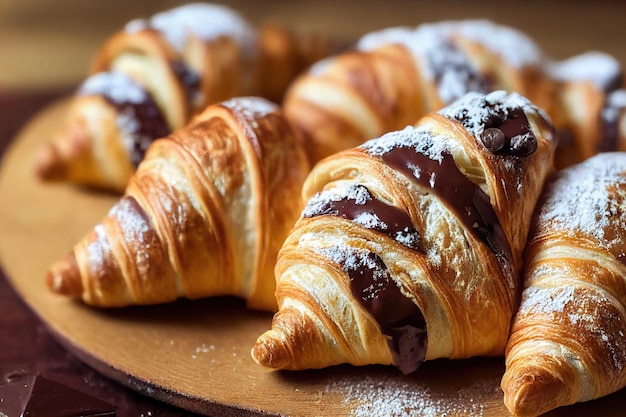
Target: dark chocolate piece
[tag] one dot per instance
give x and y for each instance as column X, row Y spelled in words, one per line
column 480, row 114
column 38, row 396
column 493, row 139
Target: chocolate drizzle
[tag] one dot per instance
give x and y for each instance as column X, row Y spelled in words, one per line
column 401, row 321
column 470, row 203
column 361, row 207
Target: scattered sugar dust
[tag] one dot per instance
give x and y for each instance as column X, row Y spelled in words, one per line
column 371, row 396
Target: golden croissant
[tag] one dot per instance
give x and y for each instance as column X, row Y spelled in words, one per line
column 398, row 74
column 204, row 215
column 568, row 340
column 410, row 245
column 154, row 75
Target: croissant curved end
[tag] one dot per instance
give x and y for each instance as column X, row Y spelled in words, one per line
column 269, row 350
column 64, row 277
column 533, row 392
column 49, row 164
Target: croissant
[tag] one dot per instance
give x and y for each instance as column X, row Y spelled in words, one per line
column 398, row 74
column 180, row 60
column 204, row 214
column 567, row 341
column 591, row 106
column 410, row 245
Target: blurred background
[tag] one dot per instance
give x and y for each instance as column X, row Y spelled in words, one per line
column 49, row 43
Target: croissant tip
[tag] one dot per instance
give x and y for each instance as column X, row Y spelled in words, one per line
column 266, row 350
column 63, row 278
column 49, row 164
column 533, row 393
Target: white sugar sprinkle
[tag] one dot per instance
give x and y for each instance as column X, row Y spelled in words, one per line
column 517, row 49
column 118, row 86
column 435, row 55
column 206, row 21
column 251, row 108
column 419, row 138
column 370, row 396
column 597, row 67
column 579, row 201
column 474, row 109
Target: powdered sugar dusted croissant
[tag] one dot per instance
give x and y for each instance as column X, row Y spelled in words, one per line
column 183, row 59
column 205, row 214
column 568, row 341
column 399, row 74
column 410, row 246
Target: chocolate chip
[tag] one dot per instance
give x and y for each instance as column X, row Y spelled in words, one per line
column 523, row 145
column 493, row 139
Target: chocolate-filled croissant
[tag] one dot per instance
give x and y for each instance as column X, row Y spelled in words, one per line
column 175, row 63
column 204, row 215
column 398, row 74
column 568, row 340
column 410, row 246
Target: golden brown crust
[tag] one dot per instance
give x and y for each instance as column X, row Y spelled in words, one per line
column 567, row 340
column 465, row 284
column 208, row 66
column 204, row 215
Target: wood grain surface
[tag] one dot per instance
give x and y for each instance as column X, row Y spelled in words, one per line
column 195, row 354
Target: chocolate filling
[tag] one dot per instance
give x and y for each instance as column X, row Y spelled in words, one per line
column 189, row 79
column 401, row 321
column 143, row 120
column 454, row 74
column 466, row 199
column 366, row 210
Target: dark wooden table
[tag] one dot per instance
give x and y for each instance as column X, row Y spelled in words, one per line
column 26, row 346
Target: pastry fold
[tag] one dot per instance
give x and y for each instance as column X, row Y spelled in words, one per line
column 410, row 245
column 204, row 215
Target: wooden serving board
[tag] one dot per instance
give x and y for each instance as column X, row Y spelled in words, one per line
column 196, row 354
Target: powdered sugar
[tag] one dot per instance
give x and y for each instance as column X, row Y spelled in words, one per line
column 251, row 109
column 474, row 110
column 439, row 60
column 513, row 46
column 418, row 138
column 129, row 219
column 206, row 21
column 517, row 49
column 597, row 67
column 372, row 396
column 579, row 201
column 117, row 86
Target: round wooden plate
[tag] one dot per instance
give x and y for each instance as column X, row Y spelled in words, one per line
column 196, row 354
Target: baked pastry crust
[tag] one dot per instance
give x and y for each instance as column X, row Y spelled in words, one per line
column 204, row 215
